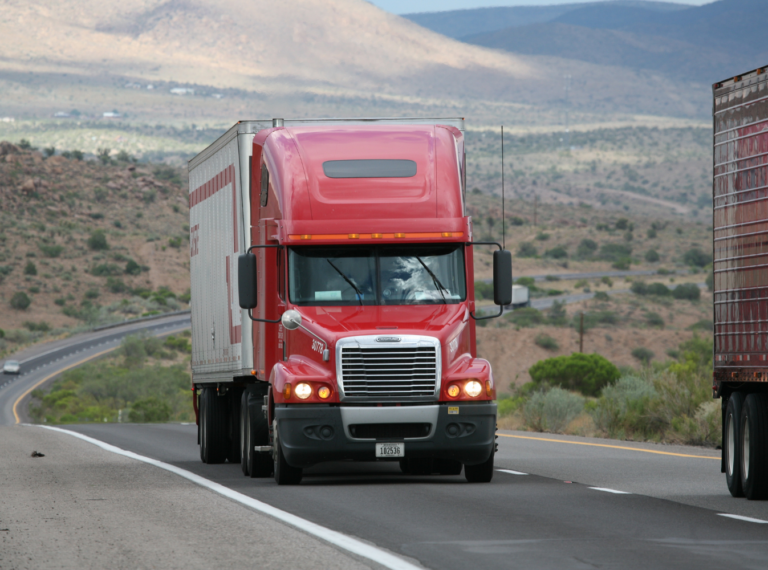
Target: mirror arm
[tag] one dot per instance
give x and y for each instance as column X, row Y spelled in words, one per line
column 250, row 311
column 501, row 308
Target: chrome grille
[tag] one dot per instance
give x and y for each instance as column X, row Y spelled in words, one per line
column 389, row 371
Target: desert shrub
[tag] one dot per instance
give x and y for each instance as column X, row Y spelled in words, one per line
column 643, row 354
column 615, row 251
column 150, row 409
column 526, row 281
column 542, row 236
column 654, row 320
column 91, row 294
column 60, row 301
column 116, row 285
column 545, row 341
column 689, row 291
column 586, row 373
column 100, row 194
column 132, row 268
column 651, row 233
column 30, row 268
column 593, row 319
column 2, row 333
column 98, row 240
column 557, row 252
column 20, row 301
column 658, row 289
column 557, row 314
column 149, row 196
column 586, row 248
column 105, row 269
column 527, row 249
column 652, row 256
column 526, row 317
column 622, row 264
column 516, row 221
column 622, row 408
column 32, row 326
column 551, row 410
column 180, row 344
column 606, row 280
column 697, row 257
column 174, row 242
column 551, row 278
column 50, row 250
column 622, row 224
column 602, row 296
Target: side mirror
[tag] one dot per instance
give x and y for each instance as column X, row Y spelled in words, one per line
column 502, row 277
column 246, row 280
column 291, row 319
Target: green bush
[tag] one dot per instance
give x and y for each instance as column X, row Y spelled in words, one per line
column 30, row 268
column 658, row 289
column 542, row 236
column 32, row 326
column 622, row 224
column 651, row 233
column 557, row 314
column 586, row 248
column 622, row 264
column 483, row 290
column 91, row 294
column 132, row 268
column 654, row 320
column 516, row 221
column 557, row 252
column 652, row 256
column 526, row 281
column 622, row 408
column 526, row 317
column 105, row 269
column 552, row 410
column 615, row 252
column 20, row 301
column 116, row 285
column 527, row 249
column 51, row 250
column 643, row 354
column 697, row 258
column 2, row 333
column 602, row 296
column 593, row 319
column 98, row 241
column 174, row 242
column 689, row 291
column 181, row 344
column 586, row 373
column 150, row 409
column 545, row 341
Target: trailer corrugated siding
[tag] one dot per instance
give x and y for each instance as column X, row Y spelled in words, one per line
column 740, row 223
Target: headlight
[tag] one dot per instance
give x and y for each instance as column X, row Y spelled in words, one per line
column 324, row 392
column 472, row 388
column 303, row 391
column 453, row 390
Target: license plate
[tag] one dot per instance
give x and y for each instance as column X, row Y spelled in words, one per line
column 390, row 450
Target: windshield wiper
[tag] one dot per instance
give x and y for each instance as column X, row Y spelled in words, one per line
column 348, row 280
column 435, row 280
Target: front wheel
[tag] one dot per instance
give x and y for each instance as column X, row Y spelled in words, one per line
column 482, row 473
column 284, row 474
column 732, row 444
column 754, row 447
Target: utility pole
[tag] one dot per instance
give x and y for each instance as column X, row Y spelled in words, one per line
column 581, row 333
column 567, row 129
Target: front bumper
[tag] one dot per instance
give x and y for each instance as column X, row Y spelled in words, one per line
column 313, row 434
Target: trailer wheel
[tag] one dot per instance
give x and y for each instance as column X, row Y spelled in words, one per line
column 754, row 446
column 732, row 444
column 482, row 473
column 284, row 474
column 235, row 445
column 214, row 440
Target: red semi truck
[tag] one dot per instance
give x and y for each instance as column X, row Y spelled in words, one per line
column 740, row 223
column 333, row 299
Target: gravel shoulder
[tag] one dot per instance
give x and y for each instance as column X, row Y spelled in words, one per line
column 83, row 507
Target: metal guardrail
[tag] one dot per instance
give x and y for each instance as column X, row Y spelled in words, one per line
column 142, row 319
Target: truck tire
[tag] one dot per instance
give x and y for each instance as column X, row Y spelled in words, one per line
column 214, row 428
column 754, row 447
column 732, row 444
column 255, row 431
column 482, row 473
column 284, row 474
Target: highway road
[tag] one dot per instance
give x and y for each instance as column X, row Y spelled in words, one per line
column 42, row 363
column 555, row 501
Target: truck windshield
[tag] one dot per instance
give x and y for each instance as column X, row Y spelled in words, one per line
column 377, row 275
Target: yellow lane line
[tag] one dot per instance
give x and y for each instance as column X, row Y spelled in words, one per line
column 62, row 370
column 610, row 446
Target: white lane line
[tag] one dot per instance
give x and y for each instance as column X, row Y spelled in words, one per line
column 741, row 518
column 511, row 472
column 338, row 539
column 606, row 490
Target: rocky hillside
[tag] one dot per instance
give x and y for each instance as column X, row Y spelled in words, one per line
column 84, row 242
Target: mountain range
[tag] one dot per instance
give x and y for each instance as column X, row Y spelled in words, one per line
column 703, row 44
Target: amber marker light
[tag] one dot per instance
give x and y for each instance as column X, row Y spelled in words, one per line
column 324, row 392
column 303, row 390
column 399, row 235
column 473, row 388
column 306, row 236
column 488, row 388
column 376, row 236
column 287, row 392
column 453, row 390
column 354, row 236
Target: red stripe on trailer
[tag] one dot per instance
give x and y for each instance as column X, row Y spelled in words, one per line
column 231, row 172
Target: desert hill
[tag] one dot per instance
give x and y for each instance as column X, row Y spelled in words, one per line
column 298, row 52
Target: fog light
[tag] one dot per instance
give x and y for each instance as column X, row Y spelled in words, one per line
column 287, row 391
column 303, row 391
column 324, row 392
column 472, row 388
column 453, row 390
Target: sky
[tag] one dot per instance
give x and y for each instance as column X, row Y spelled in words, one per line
column 411, row 6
